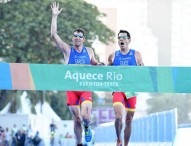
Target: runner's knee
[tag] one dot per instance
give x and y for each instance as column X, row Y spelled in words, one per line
column 128, row 120
column 118, row 115
column 119, row 118
column 77, row 121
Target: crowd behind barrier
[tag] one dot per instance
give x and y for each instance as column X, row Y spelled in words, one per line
column 20, row 136
column 152, row 130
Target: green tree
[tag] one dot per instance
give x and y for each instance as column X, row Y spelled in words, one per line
column 162, row 102
column 25, row 32
column 4, row 98
column 12, row 97
column 58, row 103
column 25, row 29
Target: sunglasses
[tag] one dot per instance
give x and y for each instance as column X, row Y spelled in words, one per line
column 123, row 37
column 77, row 35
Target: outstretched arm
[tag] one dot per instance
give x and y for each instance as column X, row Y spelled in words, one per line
column 95, row 62
column 93, row 59
column 55, row 12
column 110, row 59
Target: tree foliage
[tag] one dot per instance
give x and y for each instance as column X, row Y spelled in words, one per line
column 11, row 97
column 25, row 29
column 162, row 102
column 58, row 102
column 3, row 99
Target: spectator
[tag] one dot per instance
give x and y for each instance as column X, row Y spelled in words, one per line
column 13, row 134
column 36, row 139
column 7, row 137
column 20, row 137
column 29, row 136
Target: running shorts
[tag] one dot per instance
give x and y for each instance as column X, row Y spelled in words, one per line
column 128, row 102
column 77, row 97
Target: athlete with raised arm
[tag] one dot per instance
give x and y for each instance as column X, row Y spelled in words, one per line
column 79, row 102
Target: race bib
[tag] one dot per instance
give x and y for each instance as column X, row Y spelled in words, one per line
column 130, row 94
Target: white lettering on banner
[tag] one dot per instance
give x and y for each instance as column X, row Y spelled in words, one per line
column 107, row 84
column 114, row 76
column 68, row 75
column 110, row 76
column 83, row 76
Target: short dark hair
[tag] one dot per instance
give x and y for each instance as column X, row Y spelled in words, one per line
column 79, row 30
column 125, row 31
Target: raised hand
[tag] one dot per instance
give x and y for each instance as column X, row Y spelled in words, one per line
column 55, row 8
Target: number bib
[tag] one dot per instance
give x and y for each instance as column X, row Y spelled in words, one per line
column 130, row 94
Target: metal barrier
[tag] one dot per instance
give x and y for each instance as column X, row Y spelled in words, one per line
column 157, row 127
column 154, row 129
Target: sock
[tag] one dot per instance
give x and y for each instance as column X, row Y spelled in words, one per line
column 86, row 127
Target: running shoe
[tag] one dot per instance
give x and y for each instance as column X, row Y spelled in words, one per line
column 88, row 134
column 119, row 143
